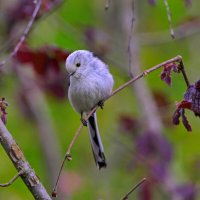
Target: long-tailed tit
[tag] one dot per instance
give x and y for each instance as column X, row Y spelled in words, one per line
column 90, row 84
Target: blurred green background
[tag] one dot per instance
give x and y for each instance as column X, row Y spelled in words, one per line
column 67, row 27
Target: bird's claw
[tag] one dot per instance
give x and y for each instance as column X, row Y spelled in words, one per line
column 84, row 122
column 101, row 104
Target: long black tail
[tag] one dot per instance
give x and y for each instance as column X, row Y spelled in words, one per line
column 95, row 140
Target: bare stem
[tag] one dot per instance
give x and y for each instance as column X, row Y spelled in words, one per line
column 133, row 189
column 27, row 29
column 169, row 19
column 67, row 154
column 130, row 41
column 12, row 180
column 184, row 74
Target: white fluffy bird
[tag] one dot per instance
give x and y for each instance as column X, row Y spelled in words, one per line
column 90, row 84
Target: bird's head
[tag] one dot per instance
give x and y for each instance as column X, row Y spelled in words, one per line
column 77, row 61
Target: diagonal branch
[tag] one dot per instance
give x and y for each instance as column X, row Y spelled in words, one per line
column 133, row 189
column 143, row 74
column 12, row 180
column 17, row 157
column 28, row 27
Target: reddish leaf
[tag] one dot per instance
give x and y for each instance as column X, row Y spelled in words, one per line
column 184, row 104
column 43, row 59
column 192, row 102
column 46, row 62
column 146, row 191
column 185, row 121
column 176, row 116
column 166, row 73
column 162, row 100
column 128, row 124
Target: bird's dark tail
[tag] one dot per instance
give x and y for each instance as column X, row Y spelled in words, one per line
column 95, row 140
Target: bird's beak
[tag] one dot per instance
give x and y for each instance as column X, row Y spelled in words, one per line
column 71, row 74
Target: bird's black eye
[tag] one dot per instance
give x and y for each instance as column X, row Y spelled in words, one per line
column 78, row 64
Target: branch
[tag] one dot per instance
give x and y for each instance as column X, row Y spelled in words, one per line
column 130, row 40
column 67, row 154
column 146, row 72
column 133, row 189
column 17, row 157
column 27, row 29
column 12, row 180
column 25, row 33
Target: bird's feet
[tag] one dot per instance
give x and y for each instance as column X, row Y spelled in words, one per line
column 101, row 104
column 84, row 122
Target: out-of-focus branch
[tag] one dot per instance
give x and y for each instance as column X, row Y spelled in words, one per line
column 17, row 157
column 28, row 27
column 147, row 104
column 133, row 189
column 25, row 33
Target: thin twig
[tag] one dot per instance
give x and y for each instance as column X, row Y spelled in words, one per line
column 67, row 154
column 133, row 189
column 25, row 33
column 169, row 19
column 27, row 29
column 146, row 72
column 12, row 180
column 130, row 41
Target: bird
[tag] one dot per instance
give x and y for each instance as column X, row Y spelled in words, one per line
column 90, row 84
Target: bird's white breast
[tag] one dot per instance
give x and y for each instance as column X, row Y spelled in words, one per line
column 86, row 91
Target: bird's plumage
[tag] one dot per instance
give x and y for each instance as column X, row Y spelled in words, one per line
column 90, row 83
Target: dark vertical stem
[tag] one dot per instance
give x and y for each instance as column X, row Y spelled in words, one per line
column 184, row 74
